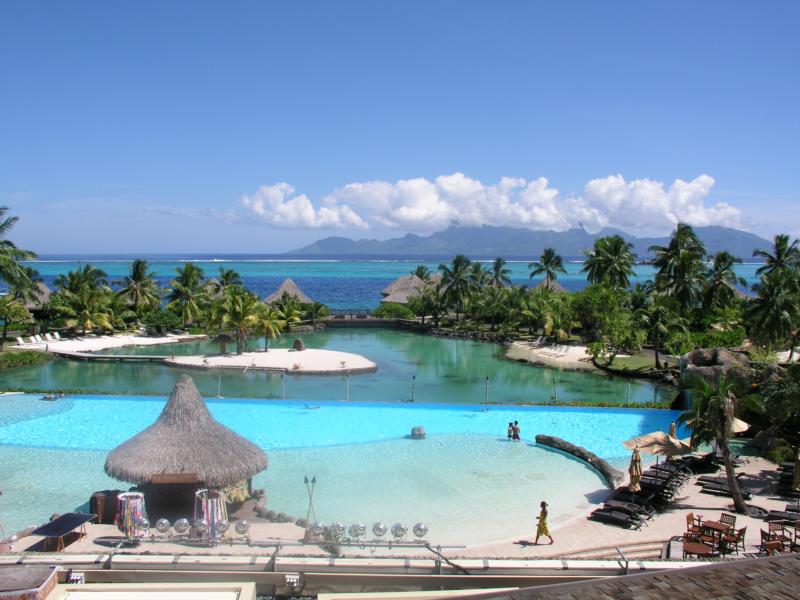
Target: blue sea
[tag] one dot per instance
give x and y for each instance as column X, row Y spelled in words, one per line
column 340, row 283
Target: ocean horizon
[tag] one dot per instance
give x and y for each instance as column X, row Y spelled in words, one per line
column 340, row 282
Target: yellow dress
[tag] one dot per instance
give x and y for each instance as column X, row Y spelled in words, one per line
column 541, row 528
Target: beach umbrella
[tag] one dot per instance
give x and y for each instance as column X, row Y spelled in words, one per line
column 186, row 439
column 738, row 425
column 635, row 471
column 796, row 475
column 222, row 339
column 659, row 443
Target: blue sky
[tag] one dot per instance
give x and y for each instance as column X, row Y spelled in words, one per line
column 259, row 127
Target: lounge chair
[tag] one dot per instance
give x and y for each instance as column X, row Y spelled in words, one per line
column 57, row 335
column 616, row 517
column 781, row 515
column 722, row 490
column 629, row 508
column 20, row 341
column 48, row 337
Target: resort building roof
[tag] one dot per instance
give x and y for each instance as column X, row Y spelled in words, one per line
column 406, row 287
column 186, row 439
column 289, row 287
column 551, row 284
column 768, row 578
column 42, row 295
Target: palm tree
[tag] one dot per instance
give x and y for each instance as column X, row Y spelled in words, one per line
column 10, row 255
column 12, row 311
column 538, row 308
column 187, row 293
column 720, row 286
column 85, row 276
column 550, row 264
column 25, row 288
column 659, row 320
column 86, row 308
column 785, row 256
column 241, row 316
column 478, row 277
column 774, row 312
column 711, row 419
column 434, row 302
column 501, row 275
column 269, row 323
column 315, row 311
column 422, row 272
column 610, row 261
column 227, row 279
column 492, row 303
column 561, row 315
column 680, row 266
column 139, row 287
column 456, row 282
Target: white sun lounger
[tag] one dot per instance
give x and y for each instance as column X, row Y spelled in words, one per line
column 38, row 339
column 20, row 341
column 56, row 335
column 47, row 337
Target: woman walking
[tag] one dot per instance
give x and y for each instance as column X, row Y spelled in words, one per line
column 541, row 528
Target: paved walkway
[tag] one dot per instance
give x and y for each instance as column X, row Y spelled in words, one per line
column 579, row 534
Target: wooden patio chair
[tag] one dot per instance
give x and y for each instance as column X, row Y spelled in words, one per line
column 693, row 545
column 728, row 519
column 777, row 533
column 693, row 523
column 734, row 541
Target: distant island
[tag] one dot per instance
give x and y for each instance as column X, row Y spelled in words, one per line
column 510, row 242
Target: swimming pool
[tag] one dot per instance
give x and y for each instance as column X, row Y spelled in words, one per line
column 465, row 480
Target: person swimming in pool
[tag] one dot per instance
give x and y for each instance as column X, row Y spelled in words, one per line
column 515, row 431
column 510, row 431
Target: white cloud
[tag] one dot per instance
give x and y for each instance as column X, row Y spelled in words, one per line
column 278, row 205
column 641, row 206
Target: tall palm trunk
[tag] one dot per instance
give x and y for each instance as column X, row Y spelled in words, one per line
column 658, row 362
column 733, row 483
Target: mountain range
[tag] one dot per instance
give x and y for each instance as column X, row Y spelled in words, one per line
column 512, row 242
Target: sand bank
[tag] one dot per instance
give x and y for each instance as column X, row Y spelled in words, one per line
column 308, row 362
column 560, row 357
column 105, row 342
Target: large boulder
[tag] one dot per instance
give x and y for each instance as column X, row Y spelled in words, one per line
column 711, row 363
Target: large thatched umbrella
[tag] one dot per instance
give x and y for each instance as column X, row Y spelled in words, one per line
column 658, row 443
column 222, row 339
column 635, row 471
column 186, row 439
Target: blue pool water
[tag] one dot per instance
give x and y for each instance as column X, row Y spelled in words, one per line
column 466, row 481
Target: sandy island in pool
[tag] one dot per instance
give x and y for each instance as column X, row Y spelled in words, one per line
column 309, row 361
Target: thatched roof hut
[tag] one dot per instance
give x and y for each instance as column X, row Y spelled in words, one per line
column 186, row 439
column 551, row 284
column 42, row 296
column 406, row 287
column 289, row 287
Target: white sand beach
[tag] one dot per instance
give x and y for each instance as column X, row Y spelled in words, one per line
column 309, row 361
column 558, row 356
column 105, row 342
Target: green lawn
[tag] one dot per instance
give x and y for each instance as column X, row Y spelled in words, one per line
column 633, row 363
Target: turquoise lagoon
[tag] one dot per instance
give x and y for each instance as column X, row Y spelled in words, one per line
column 466, row 481
column 445, row 370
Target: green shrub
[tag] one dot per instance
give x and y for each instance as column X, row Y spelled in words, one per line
column 781, row 454
column 392, row 310
column 162, row 319
column 719, row 339
column 25, row 358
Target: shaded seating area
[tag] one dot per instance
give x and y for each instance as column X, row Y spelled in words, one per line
column 711, row 538
column 185, row 450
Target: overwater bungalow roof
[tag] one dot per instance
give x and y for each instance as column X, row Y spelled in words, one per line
column 42, row 295
column 289, row 287
column 186, row 439
column 551, row 284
